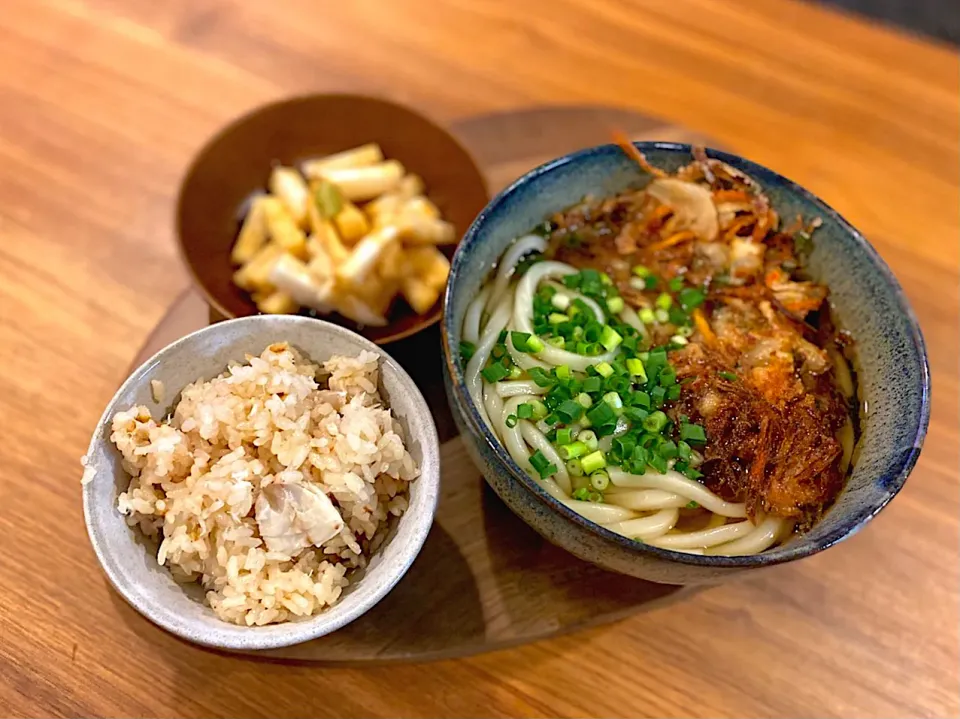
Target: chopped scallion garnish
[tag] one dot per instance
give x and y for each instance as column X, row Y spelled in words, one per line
column 610, row 338
column 572, row 450
column 542, row 465
column 467, row 350
column 600, row 480
column 495, row 372
column 603, row 369
column 615, row 305
column 593, row 461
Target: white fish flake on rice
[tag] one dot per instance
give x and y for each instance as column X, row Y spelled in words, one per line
column 196, row 479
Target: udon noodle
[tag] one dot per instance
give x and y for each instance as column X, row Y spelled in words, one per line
column 658, row 364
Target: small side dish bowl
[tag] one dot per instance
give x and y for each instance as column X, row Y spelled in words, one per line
column 236, row 163
column 893, row 373
column 130, row 561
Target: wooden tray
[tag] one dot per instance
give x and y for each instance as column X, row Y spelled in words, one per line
column 484, row 579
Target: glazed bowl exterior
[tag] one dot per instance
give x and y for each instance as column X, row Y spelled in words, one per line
column 130, row 561
column 892, row 368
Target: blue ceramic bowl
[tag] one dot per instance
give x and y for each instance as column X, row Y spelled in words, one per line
column 893, row 374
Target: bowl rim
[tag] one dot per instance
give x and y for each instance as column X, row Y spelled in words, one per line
column 777, row 555
column 209, row 297
column 273, row 636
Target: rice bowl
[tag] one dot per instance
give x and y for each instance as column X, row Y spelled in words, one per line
column 277, row 496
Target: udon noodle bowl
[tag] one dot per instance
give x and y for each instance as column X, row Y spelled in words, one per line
column 659, row 362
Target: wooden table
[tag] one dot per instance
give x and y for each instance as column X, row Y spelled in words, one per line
column 102, row 104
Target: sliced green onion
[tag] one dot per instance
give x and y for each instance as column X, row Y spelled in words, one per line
column 562, row 372
column 467, row 350
column 685, row 331
column 693, row 433
column 668, row 376
column 638, row 283
column 524, row 342
column 600, row 480
column 729, row 376
column 511, row 421
column 610, row 338
column 658, row 395
column 495, row 373
column 667, row 449
column 525, row 411
column 675, row 284
column 569, row 411
column 588, row 438
column 655, row 422
column 592, row 384
column 673, row 393
column 605, row 278
column 515, row 372
column 603, row 369
column 615, row 305
column 692, row 505
column 595, row 497
column 691, row 298
column 658, row 463
column 593, row 461
column 641, row 271
column 555, row 318
column 664, row 301
column 662, row 316
column 635, row 368
column 539, row 409
column 613, row 399
column 560, row 301
column 573, row 450
column 601, row 413
column 575, row 468
column 564, row 436
column 543, row 465
column 582, row 494
column 585, row 400
column 541, row 377
column 647, row 316
column 557, row 342
column 679, row 340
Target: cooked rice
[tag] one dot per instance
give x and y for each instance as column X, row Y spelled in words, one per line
column 199, row 482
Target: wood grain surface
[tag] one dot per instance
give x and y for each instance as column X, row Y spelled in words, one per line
column 103, row 102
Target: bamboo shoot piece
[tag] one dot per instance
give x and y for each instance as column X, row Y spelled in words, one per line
column 351, row 222
column 369, row 154
column 277, row 303
column 428, row 232
column 419, row 295
column 283, row 229
column 359, row 311
column 429, row 265
column 288, row 186
column 366, row 253
column 253, row 275
column 292, row 276
column 365, row 183
column 253, row 233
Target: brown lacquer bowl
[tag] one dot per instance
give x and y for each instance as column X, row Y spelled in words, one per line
column 236, row 163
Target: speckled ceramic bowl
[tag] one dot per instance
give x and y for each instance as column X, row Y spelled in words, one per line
column 894, row 378
column 130, row 562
